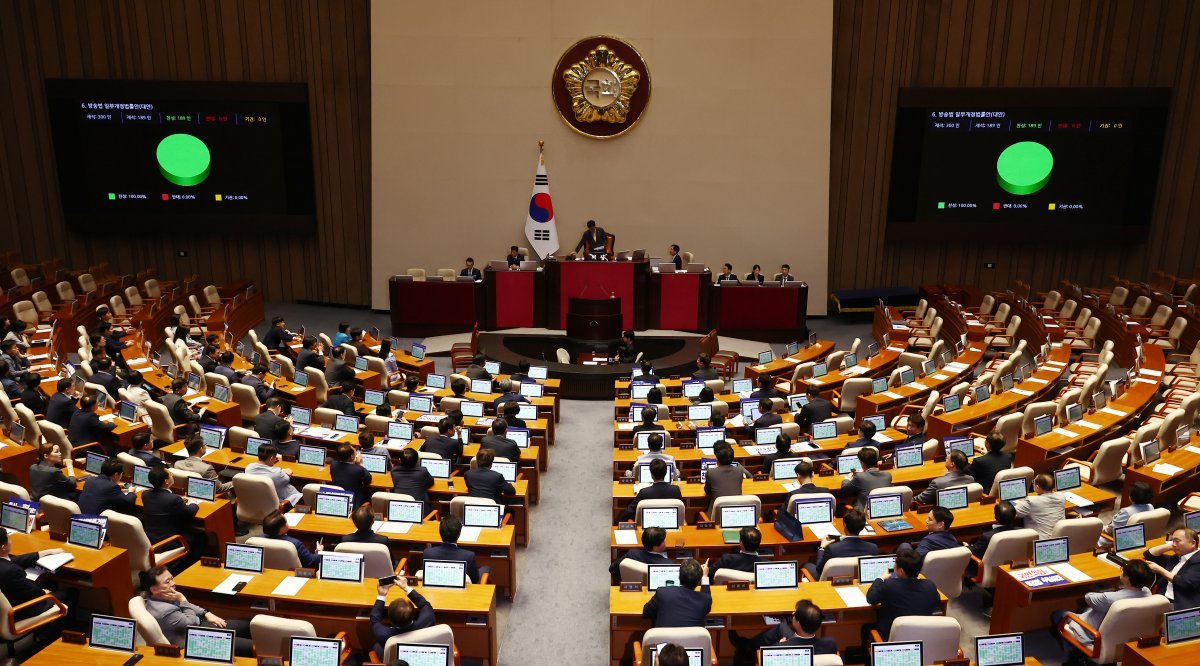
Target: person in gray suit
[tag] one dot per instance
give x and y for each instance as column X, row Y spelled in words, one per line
column 726, row 478
column 174, row 613
column 195, row 464
column 956, row 475
column 1136, row 576
column 860, row 484
column 1043, row 510
column 268, row 456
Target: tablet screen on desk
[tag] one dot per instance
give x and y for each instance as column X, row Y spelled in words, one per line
column 775, row 575
column 779, row 655
column 373, row 397
column 212, row 436
column 810, row 511
column 141, row 476
column 643, row 473
column 1042, row 425
column 112, row 633
column 471, row 408
column 951, row 403
column 766, row 357
column 700, row 412
column 735, row 516
column 1014, row 489
column 345, row 423
column 824, row 430
column 1182, row 625
column 981, row 393
column 885, row 506
column 1006, row 382
column 1000, row 650
column 202, row 489
column 879, row 385
column 87, row 532
column 481, row 386
column 897, row 654
column 692, row 388
column 445, row 573
column 847, row 464
column 241, row 557
column 1067, row 479
column 743, row 385
column 907, row 376
column 963, row 444
column 639, row 390
column 204, row 644
column 126, row 410
column 400, row 430
column 784, row 468
column 706, row 438
column 507, row 469
column 532, row 389
column 221, row 392
column 316, row 651
column 405, row 511
column 94, row 462
column 483, row 515
column 333, row 504
column 1074, row 412
column 1129, row 537
column 346, row 567
column 1051, row 551
column 520, row 436
column 435, row 381
column 439, row 468
column 952, row 498
column 875, row 566
column 311, row 455
column 538, row 372
column 253, row 444
column 420, row 403
column 666, row 517
column 662, row 575
column 909, row 456
column 16, row 518
column 750, row 410
column 527, row 412
column 796, row 401
column 418, row 352
column 493, row 367
column 767, row 435
column 423, row 654
column 375, row 463
column 301, row 416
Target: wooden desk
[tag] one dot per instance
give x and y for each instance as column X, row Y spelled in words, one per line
column 102, row 576
column 59, row 653
column 1021, row 608
column 333, row 606
column 741, row 611
column 877, row 366
column 496, row 549
column 754, row 312
column 1166, row 488
column 941, row 380
column 782, row 368
column 15, row 460
column 1179, row 654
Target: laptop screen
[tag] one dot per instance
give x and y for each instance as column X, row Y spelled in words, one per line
column 532, row 389
column 204, row 644
column 1182, row 625
column 527, row 412
column 445, row 573
column 885, row 506
column 316, row 651
column 639, row 390
column 766, row 356
column 1000, row 650
column 202, row 489
column 301, row 416
column 909, row 456
column 824, row 430
column 1074, row 412
column 643, row 473
column 483, row 515
column 311, row 455
column 1050, row 551
column 706, row 438
column 778, row 655
column 423, row 654
column 875, row 566
column 775, row 575
column 493, row 367
column 405, row 511
column 252, row 444
column 141, row 476
column 16, row 518
column 1129, row 537
column 796, row 401
column 666, row 517
column 333, row 504
column 241, row 557
column 220, row 392
column 342, row 566
column 113, row 633
column 951, row 403
column 662, row 575
column 879, row 385
column 966, row 446
column 810, row 511
column 212, row 436
column 87, row 532
column 126, row 410
column 907, row 376
column 952, row 498
column 743, row 385
column 1067, row 479
column 981, row 393
column 735, row 516
column 1014, row 489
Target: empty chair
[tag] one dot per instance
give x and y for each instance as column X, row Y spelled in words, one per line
column 1006, row 339
column 126, row 532
column 56, row 513
column 1012, row 473
column 659, row 504
column 727, row 500
column 245, row 397
column 563, row 355
column 256, row 497
column 839, row 567
column 945, row 568
column 447, row 273
column 10, row 491
column 1105, row 465
column 1083, row 533
column 66, row 293
column 1002, row 549
column 928, row 338
column 906, row 493
column 418, row 274
column 846, row 400
column 1171, row 339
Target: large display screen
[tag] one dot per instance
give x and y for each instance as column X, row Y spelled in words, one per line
column 182, row 157
column 1026, row 160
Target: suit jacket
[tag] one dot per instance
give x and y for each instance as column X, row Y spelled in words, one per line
column 514, row 422
column 654, row 491
column 510, row 397
column 847, row 546
column 515, row 261
column 164, row 513
column 707, row 374
column 226, row 372
column 477, row 372
column 276, row 339
column 1098, row 604
column 87, row 427
column 149, row 458
column 423, row 620
column 814, row 412
column 1186, row 586
column 862, row 483
column 352, row 477
column 593, row 242
column 34, row 401
column 980, row 544
column 678, row 607
column 337, row 372
column 984, row 468
column 770, row 458
column 1041, row 512
column 308, row 358
column 678, row 261
column 780, row 277
column 738, row 561
column 767, row 420
column 46, row 479
column 751, row 277
column 769, row 392
column 472, row 272
column 283, row 483
column 489, row 483
column 179, row 409
column 17, row 588
column 451, row 551
column 936, row 541
column 637, row 555
column 100, row 493
column 262, row 389
column 174, row 618
column 724, row 480
column 503, row 446
column 205, row 470
column 445, row 446
column 109, row 382
column 60, row 409
column 898, row 597
column 264, row 424
column 943, row 482
column 307, row 557
column 413, row 481
column 647, row 427
column 368, row 536
column 207, row 363
column 782, row 634
column 289, row 448
column 340, row 402
column 806, row 489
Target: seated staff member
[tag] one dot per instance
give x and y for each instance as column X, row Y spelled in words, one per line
column 649, row 422
column 655, row 445
column 407, row 613
column 818, row 409
column 478, row 369
column 681, row 605
column 181, row 412
column 522, row 373
column 1044, row 509
column 984, row 468
column 659, row 489
column 470, row 271
column 359, row 344
column 343, row 334
column 673, row 256
column 653, row 551
column 904, row 593
column 508, row 393
column 31, row 393
column 626, row 352
column 805, row 486
column 704, row 369
column 850, row 545
column 310, row 354
column 165, row 514
column 53, row 475
column 268, row 458
column 175, row 613
column 755, row 275
column 785, row 274
column 799, row 631
column 256, row 379
column 727, row 274
column 19, row 589
column 514, row 256
column 445, row 443
column 275, row 526
column 363, row 520
column 594, row 241
column 1181, row 571
column 411, row 478
column 450, row 529
column 749, row 538
column 483, row 481
column 1135, row 578
column 938, row 537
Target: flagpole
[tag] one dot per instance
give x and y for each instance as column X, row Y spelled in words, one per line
column 541, row 150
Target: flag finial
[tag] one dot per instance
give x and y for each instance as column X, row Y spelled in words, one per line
column 541, row 145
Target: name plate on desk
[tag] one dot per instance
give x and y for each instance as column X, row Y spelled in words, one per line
column 627, row 526
column 884, row 466
column 306, row 573
column 706, row 525
column 167, row 651
column 57, row 536
column 1149, row 641
column 631, row 587
column 841, row 580
column 270, row 661
column 624, row 447
column 736, row 585
column 762, row 477
column 74, row 638
column 987, row 499
column 687, row 447
column 626, row 480
column 210, row 562
column 300, row 509
column 694, row 480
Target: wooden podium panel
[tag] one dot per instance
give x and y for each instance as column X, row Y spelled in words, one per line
column 597, row 279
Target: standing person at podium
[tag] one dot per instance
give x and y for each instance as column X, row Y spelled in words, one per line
column 755, row 274
column 673, row 256
column 515, row 257
column 594, row 241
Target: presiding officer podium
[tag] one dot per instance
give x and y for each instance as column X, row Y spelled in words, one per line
column 593, row 318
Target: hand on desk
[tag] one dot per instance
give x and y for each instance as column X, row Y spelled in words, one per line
column 50, row 551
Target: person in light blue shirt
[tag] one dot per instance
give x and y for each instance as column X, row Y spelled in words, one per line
column 343, row 334
column 1140, row 495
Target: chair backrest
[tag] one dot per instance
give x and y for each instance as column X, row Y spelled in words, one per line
column 563, row 355
column 256, row 497
column 1126, row 620
column 936, row 349
column 57, row 512
column 447, row 273
column 938, row 634
column 1082, row 532
column 9, row 491
column 211, row 295
column 438, row 634
column 245, row 397
column 726, row 575
column 377, row 559
column 272, row 635
column 287, row 368
column 152, row 288
column 1013, row 473
column 839, row 567
column 851, row 390
column 1141, row 305
column 1034, row 410
column 946, row 567
column 906, row 493
column 33, row 433
column 684, row 637
column 236, row 437
column 20, row 277
column 1119, row 296
column 325, row 417
column 277, row 554
column 418, row 274
column 458, row 505
column 731, row 500
column 213, row 379
column 633, row 571
column 316, row 379
column 1006, row 547
column 379, row 501
column 54, row 434
column 1155, row 520
column 149, row 632
column 26, row 312
column 7, row 414
column 126, row 532
column 162, row 426
column 1108, row 465
column 1009, row 426
column 834, row 360
column 661, row 504
column 65, row 292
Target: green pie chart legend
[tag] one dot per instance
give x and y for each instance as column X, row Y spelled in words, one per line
column 183, row 159
column 1024, row 167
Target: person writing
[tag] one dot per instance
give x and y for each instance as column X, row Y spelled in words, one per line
column 593, row 242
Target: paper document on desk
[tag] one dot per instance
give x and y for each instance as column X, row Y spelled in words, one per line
column 1070, row 573
column 852, row 596
column 317, row 431
column 738, row 421
column 289, row 587
column 37, row 357
column 761, row 449
column 881, row 438
column 625, row 537
column 915, row 385
column 822, row 530
column 893, row 396
column 227, row 585
column 895, row 349
column 956, row 366
column 53, row 563
column 1089, row 424
column 1113, row 411
column 791, row 485
column 624, row 426
column 1144, row 371
column 1055, row 364
column 1076, row 499
column 293, row 519
column 1064, row 432
column 857, row 370
column 199, row 398
column 1022, row 392
column 394, row 528
column 108, row 417
column 470, row 534
column 1165, row 468
column 1038, row 380
column 791, row 360
column 1191, row 449
column 941, row 377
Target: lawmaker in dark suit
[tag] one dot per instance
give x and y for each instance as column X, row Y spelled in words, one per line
column 818, row 409
column 450, row 529
column 275, row 527
column 653, row 551
column 783, row 449
column 1181, row 571
column 338, row 371
column 799, row 631
column 673, row 256
column 514, row 257
column 264, row 423
column 477, row 370
column 143, row 449
column 277, row 337
column 86, row 426
column 410, row 478
column 866, row 437
column 508, row 394
column 104, row 492
column 310, row 355
column 660, row 489
column 61, row 406
column 649, row 422
column 511, row 409
column 938, row 536
column 768, row 417
column 766, row 389
column 850, row 545
column 347, row 472
column 680, row 605
column 501, row 445
column 1006, row 518
column 483, row 481
column 179, row 409
column 165, row 514
column 363, row 519
column 225, row 367
column 727, row 274
column 594, row 241
column 47, row 477
column 470, row 271
column 726, row 478
column 860, row 484
column 285, row 443
column 18, row 589
column 984, row 468
column 785, row 274
column 956, row 465
column 625, row 351
column 749, row 538
column 255, row 379
column 704, row 369
column 904, row 594
column 444, row 444
column 105, row 377
column 32, row 396
column 409, row 612
column 804, row 474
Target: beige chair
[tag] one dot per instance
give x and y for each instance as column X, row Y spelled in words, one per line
column 846, row 400
column 728, row 500
column 446, row 273
column 926, row 339
column 316, row 379
column 161, row 425
column 277, row 554
column 213, row 379
column 1034, row 410
column 1006, row 339
column 272, row 635
column 1006, row 547
column 66, row 294
column 1125, row 621
column 325, row 417
column 134, row 298
column 54, row 434
column 379, row 501
column 20, row 277
column 906, row 494
column 834, row 360
column 939, row 636
column 900, row 422
column 946, row 567
column 94, row 389
column 245, row 397
column 685, row 637
column 33, row 432
column 149, row 632
column 130, row 461
column 126, row 532
column 632, row 571
column 256, row 497
column 10, row 491
column 1082, row 533
column 1155, row 520
column 418, row 274
column 438, row 634
column 660, row 504
column 57, row 512
column 287, row 368
column 42, row 302
column 1013, row 473
column 1173, row 336
column 562, row 355
column 236, row 436
column 1084, row 339
column 732, row 575
column 1106, row 465
column 153, row 290
column 458, row 505
column 11, row 632
column 26, row 311
column 377, row 559
column 840, row 567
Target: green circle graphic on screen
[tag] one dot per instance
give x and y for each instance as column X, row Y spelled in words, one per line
column 1024, row 168
column 183, row 159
